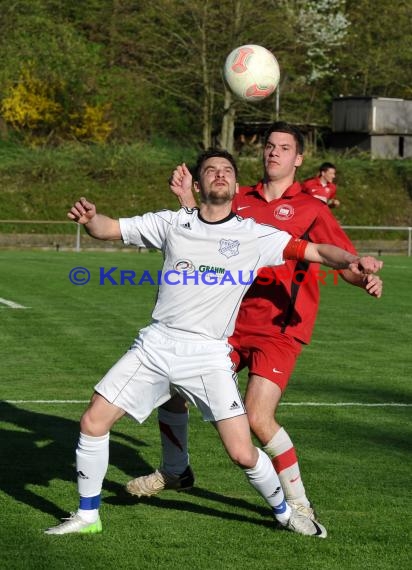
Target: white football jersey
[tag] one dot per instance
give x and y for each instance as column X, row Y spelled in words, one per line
column 208, row 267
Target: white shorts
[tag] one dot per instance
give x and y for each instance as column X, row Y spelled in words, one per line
column 161, row 362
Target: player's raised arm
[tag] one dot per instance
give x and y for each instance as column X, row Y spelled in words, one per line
column 338, row 258
column 331, row 256
column 180, row 183
column 97, row 225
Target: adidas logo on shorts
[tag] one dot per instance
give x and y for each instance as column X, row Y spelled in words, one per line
column 234, row 406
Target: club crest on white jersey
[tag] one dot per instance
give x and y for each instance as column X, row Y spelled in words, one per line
column 229, row 247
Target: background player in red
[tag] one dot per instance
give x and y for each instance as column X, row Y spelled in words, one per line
column 322, row 186
column 275, row 320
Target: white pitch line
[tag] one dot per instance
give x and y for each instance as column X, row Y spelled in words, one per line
column 12, row 304
column 314, row 404
column 341, row 404
column 46, row 401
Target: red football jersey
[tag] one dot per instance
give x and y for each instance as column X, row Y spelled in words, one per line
column 271, row 304
column 315, row 188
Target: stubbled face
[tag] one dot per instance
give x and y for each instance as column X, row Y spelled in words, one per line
column 217, row 184
column 329, row 175
column 280, row 156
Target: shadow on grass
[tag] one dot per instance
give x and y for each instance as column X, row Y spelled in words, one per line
column 41, row 447
column 183, row 504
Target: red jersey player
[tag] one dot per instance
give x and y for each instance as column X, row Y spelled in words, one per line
column 322, row 186
column 274, row 322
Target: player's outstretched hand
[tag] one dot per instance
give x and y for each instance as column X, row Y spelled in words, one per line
column 373, row 285
column 366, row 265
column 82, row 211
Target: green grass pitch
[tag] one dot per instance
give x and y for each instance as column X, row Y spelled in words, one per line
column 355, row 458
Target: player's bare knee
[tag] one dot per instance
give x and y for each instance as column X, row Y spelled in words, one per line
column 255, row 422
column 86, row 426
column 89, row 425
column 245, row 458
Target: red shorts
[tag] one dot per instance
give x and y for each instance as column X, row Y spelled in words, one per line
column 272, row 357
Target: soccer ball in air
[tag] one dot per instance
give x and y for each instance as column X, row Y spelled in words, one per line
column 251, row 72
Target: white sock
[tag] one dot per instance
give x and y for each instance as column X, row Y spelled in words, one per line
column 174, row 438
column 92, row 460
column 89, row 516
column 264, row 479
column 285, row 461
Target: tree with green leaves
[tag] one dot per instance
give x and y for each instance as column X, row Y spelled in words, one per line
column 49, row 76
column 158, row 65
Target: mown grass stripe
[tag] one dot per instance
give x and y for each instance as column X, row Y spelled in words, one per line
column 301, row 404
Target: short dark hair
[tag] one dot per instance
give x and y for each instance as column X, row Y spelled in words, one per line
column 212, row 153
column 325, row 166
column 283, row 127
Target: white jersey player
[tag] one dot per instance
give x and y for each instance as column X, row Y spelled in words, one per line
column 185, row 348
column 220, row 261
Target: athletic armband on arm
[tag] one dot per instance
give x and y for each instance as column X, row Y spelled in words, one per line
column 295, row 249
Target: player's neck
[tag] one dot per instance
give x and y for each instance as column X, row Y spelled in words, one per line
column 215, row 212
column 273, row 189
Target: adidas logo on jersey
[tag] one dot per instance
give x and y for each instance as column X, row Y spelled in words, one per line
column 234, row 406
column 186, row 226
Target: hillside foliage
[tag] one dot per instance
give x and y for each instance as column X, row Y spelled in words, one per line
column 125, row 180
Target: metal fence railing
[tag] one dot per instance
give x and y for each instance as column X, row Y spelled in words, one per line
column 389, row 229
column 74, row 239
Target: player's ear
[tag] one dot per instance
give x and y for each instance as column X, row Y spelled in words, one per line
column 196, row 187
column 237, row 188
column 298, row 160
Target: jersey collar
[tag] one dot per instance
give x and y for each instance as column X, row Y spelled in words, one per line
column 257, row 191
column 222, row 221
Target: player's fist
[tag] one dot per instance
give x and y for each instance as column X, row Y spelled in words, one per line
column 82, row 211
column 373, row 285
column 181, row 180
column 366, row 264
column 180, row 183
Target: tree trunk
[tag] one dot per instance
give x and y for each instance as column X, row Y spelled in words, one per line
column 227, row 130
column 207, row 98
column 228, row 124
